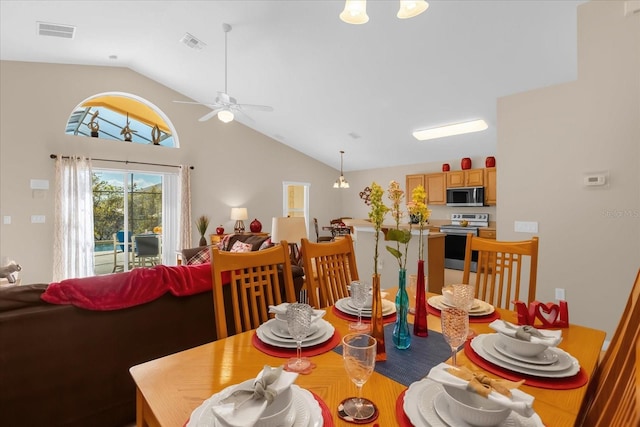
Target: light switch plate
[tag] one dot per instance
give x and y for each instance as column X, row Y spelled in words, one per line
column 6, row 220
column 526, row 226
column 37, row 219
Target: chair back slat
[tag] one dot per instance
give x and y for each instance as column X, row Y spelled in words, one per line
column 613, row 394
column 499, row 269
column 329, row 269
column 254, row 285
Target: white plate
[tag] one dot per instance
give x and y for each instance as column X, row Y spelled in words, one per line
column 314, row 330
column 307, row 410
column 266, row 335
column 388, row 307
column 442, row 409
column 479, row 346
column 564, row 361
column 424, row 389
column 437, row 301
column 547, row 357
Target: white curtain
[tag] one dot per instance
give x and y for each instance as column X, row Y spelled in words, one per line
column 73, row 240
column 184, row 238
column 170, row 218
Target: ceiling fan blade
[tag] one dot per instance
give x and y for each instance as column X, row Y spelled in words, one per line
column 255, row 107
column 243, row 114
column 209, row 115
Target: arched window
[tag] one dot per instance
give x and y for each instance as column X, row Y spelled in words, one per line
column 121, row 117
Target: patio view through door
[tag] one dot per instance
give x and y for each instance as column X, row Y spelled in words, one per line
column 127, row 205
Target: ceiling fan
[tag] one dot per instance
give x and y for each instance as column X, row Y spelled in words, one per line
column 224, row 105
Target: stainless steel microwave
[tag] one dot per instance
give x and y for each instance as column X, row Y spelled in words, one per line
column 465, row 196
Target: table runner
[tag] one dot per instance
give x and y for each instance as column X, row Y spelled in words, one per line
column 414, row 363
column 346, row 316
column 315, row 350
column 578, row 380
column 472, row 319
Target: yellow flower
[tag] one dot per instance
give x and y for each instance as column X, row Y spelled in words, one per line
column 376, row 215
column 396, row 195
column 418, row 209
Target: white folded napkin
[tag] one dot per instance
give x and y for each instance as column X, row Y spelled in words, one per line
column 246, row 403
column 519, row 402
column 538, row 336
column 282, row 310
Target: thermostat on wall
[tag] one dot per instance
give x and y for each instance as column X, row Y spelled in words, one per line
column 595, row 179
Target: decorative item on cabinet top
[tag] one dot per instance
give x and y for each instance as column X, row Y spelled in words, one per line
column 490, row 162
column 446, row 167
column 465, row 163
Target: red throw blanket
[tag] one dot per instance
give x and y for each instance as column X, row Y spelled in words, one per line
column 135, row 287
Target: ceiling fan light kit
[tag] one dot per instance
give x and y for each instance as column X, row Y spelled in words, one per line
column 341, row 182
column 450, row 130
column 225, row 116
column 355, row 11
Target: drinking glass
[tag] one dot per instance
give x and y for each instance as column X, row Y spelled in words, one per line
column 455, row 327
column 359, row 356
column 463, row 297
column 298, row 324
column 359, row 296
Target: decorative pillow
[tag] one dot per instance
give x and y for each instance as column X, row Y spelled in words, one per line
column 266, row 244
column 202, row 257
column 239, row 246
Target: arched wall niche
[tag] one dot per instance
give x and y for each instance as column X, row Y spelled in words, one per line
column 124, row 117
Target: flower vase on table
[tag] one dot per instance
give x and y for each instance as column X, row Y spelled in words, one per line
column 401, row 335
column 420, row 328
column 377, row 325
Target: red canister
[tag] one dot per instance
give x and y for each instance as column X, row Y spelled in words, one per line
column 465, row 163
column 446, row 167
column 490, row 162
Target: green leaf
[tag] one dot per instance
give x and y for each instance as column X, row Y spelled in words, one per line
column 396, row 253
column 401, row 236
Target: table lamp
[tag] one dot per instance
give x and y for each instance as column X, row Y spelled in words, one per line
column 291, row 229
column 239, row 214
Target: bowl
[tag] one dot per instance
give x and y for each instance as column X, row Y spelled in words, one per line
column 473, row 408
column 276, row 413
column 521, row 347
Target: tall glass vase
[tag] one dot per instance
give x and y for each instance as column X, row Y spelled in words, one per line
column 377, row 326
column 401, row 335
column 420, row 328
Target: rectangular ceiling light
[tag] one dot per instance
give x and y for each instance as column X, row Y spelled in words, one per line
column 56, row 30
column 449, row 130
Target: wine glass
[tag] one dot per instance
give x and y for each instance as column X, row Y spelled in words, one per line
column 455, row 327
column 298, row 324
column 359, row 296
column 359, row 356
column 463, row 297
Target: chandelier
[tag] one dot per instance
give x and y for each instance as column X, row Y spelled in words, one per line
column 341, row 182
column 355, row 11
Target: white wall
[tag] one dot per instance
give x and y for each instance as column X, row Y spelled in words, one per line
column 234, row 165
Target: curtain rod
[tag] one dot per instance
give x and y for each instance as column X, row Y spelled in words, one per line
column 55, row 156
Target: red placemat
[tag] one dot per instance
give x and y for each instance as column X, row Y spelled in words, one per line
column 403, row 420
column 314, row 350
column 346, row 316
column 326, row 412
column 578, row 380
column 472, row 319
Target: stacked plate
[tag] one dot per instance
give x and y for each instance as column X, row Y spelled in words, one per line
column 479, row 307
column 345, row 306
column 425, row 405
column 551, row 363
column 271, row 333
column 305, row 410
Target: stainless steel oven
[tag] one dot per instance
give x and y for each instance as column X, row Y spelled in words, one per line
column 455, row 241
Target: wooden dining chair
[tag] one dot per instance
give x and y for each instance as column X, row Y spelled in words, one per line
column 613, row 394
column 254, row 285
column 499, row 267
column 329, row 269
column 320, row 238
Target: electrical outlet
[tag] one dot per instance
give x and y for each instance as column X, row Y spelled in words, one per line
column 525, row 226
column 37, row 219
column 560, row 294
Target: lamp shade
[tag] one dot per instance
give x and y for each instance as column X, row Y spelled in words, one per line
column 355, row 12
column 239, row 214
column 411, row 8
column 291, row 229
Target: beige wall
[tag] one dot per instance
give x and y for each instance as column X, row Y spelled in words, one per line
column 234, row 165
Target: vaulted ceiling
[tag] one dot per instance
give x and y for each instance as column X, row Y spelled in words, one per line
column 333, row 86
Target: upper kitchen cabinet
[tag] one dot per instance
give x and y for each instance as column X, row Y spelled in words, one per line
column 465, row 178
column 490, row 192
column 433, row 184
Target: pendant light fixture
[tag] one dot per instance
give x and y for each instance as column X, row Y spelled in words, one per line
column 355, row 11
column 341, row 182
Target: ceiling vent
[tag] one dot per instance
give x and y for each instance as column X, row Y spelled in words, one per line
column 192, row 42
column 56, row 30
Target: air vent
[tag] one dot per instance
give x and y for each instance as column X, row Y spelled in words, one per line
column 56, row 30
column 192, row 42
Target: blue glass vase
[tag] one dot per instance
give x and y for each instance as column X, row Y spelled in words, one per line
column 401, row 335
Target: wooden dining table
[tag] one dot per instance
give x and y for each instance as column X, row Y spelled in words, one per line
column 170, row 388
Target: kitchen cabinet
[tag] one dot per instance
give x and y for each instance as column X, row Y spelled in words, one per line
column 433, row 183
column 490, row 193
column 487, row 233
column 465, row 178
